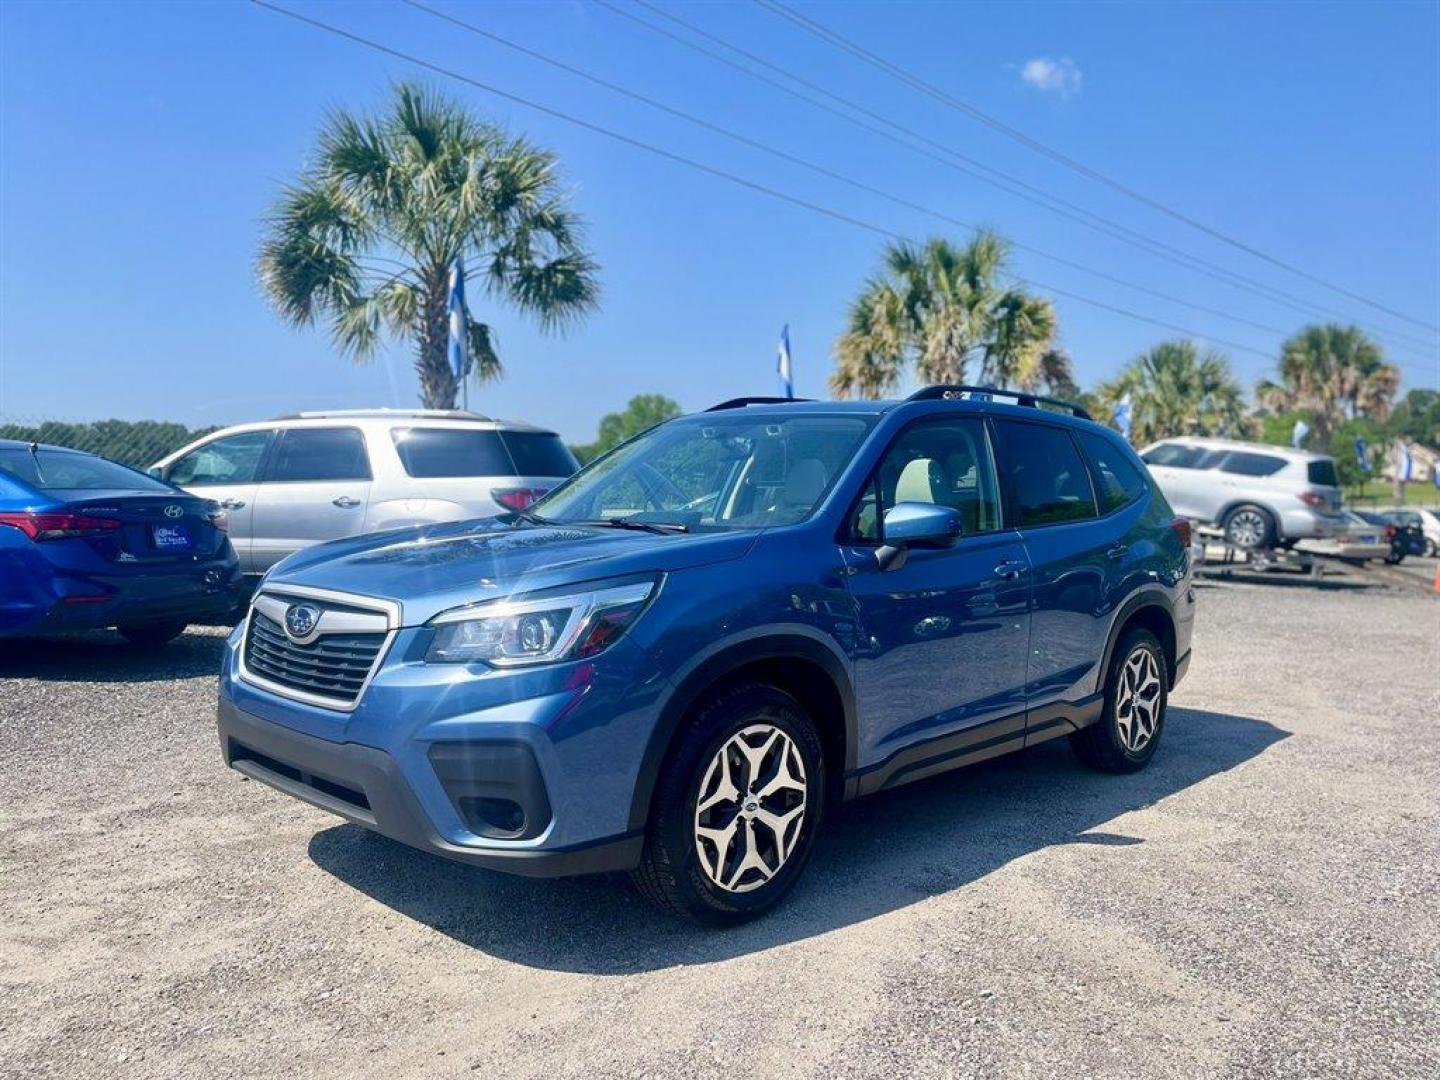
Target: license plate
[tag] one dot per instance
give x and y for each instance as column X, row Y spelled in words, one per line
column 170, row 537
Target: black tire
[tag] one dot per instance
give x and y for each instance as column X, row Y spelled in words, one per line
column 1395, row 558
column 1102, row 745
column 1249, row 527
column 1432, row 549
column 153, row 635
column 670, row 874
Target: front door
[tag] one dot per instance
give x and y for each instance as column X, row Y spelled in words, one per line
column 940, row 667
column 316, row 488
column 228, row 471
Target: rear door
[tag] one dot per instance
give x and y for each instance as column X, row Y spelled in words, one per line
column 316, row 487
column 1050, row 500
column 227, row 470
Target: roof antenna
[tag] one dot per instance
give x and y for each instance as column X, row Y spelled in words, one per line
column 35, row 456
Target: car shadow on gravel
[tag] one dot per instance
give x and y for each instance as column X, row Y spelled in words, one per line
column 875, row 856
column 104, row 656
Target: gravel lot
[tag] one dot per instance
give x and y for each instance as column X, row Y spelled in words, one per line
column 1263, row 901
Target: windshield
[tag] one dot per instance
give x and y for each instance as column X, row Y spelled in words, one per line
column 732, row 472
column 66, row 470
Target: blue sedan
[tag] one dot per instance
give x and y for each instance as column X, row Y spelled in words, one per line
column 86, row 543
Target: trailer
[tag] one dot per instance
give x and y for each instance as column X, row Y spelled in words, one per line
column 1254, row 560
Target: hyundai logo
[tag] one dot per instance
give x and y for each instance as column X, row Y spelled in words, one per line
column 301, row 620
column 173, row 511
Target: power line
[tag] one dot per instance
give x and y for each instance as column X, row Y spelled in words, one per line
column 733, row 178
column 822, row 170
column 895, row 71
column 986, row 174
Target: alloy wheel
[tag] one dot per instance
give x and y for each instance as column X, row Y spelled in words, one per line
column 1137, row 699
column 750, row 809
column 1246, row 529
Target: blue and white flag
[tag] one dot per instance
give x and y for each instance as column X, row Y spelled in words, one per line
column 1298, row 435
column 1122, row 416
column 782, row 366
column 1361, row 457
column 458, row 348
column 1404, row 463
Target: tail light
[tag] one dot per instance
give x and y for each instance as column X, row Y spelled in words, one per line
column 1181, row 525
column 220, row 519
column 40, row 526
column 518, row 498
column 1390, row 531
column 1315, row 499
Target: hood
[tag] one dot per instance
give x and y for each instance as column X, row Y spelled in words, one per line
column 428, row 569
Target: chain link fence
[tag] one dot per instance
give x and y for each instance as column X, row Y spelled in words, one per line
column 138, row 443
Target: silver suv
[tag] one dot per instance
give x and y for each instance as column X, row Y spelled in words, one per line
column 1261, row 495
column 297, row 480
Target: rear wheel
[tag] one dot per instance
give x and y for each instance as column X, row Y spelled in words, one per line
column 736, row 809
column 153, row 635
column 1250, row 526
column 1136, row 695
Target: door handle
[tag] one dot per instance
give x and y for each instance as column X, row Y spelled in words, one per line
column 345, row 502
column 1118, row 552
column 232, row 504
column 1010, row 570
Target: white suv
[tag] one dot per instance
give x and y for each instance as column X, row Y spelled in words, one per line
column 298, row 480
column 1261, row 495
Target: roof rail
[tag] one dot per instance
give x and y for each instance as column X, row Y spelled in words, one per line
column 741, row 402
column 946, row 392
column 436, row 414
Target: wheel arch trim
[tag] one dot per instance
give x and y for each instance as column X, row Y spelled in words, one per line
column 1152, row 596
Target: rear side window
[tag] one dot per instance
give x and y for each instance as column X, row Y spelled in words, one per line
column 1043, row 475
column 1240, row 463
column 1174, row 455
column 320, row 454
column 234, row 459
column 434, row 452
column 1322, row 473
column 1117, row 481
column 539, row 453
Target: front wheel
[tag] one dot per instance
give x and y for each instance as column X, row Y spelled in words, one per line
column 152, row 635
column 1136, row 695
column 736, row 809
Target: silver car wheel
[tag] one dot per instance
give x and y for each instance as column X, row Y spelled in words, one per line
column 1137, row 699
column 1246, row 529
column 750, row 808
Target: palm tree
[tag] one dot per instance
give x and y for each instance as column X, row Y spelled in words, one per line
column 939, row 306
column 367, row 237
column 1174, row 389
column 1335, row 373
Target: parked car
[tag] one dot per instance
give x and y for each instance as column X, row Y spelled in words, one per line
column 682, row 658
column 1430, row 526
column 297, row 480
column 86, row 543
column 1363, row 538
column 1407, row 533
column 1262, row 496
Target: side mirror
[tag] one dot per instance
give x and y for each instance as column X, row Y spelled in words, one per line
column 916, row 524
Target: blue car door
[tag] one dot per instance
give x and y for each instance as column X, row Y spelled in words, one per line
column 1073, row 553
column 940, row 663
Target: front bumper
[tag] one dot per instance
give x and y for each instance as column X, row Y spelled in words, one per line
column 365, row 785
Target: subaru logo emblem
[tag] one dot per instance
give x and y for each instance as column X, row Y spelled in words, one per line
column 173, row 511
column 301, row 620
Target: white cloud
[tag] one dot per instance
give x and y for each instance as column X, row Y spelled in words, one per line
column 1061, row 76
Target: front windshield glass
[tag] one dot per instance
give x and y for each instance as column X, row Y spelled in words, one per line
column 731, row 472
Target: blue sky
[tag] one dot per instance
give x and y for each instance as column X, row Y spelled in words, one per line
column 141, row 144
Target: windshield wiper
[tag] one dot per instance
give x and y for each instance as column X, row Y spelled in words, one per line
column 663, row 528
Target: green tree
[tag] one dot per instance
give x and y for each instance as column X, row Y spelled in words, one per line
column 642, row 413
column 1174, row 389
column 1331, row 373
column 1417, row 417
column 366, row 239
column 939, row 307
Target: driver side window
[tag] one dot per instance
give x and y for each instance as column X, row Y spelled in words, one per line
column 946, row 462
column 234, row 459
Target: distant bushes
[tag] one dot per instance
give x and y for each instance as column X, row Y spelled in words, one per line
column 138, row 443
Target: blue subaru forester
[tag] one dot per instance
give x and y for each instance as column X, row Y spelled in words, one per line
column 678, row 660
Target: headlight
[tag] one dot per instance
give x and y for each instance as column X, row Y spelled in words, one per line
column 539, row 630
